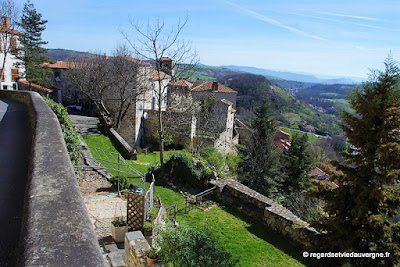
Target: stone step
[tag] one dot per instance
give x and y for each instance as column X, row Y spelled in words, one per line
column 117, row 258
column 110, row 247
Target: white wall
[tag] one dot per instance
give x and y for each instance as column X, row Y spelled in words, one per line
column 11, row 63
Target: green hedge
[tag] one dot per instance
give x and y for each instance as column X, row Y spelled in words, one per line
column 69, row 133
column 188, row 169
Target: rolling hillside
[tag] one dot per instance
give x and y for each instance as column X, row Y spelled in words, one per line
column 288, row 109
column 63, row 54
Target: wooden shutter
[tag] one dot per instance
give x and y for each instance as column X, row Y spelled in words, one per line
column 14, row 74
column 13, row 44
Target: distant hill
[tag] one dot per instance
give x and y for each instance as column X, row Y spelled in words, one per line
column 288, row 109
column 291, row 76
column 63, row 54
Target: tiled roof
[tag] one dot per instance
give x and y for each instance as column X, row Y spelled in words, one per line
column 208, row 86
column 5, row 29
column 166, row 58
column 183, row 82
column 35, row 85
column 154, row 75
column 140, row 62
column 279, row 134
column 62, row 64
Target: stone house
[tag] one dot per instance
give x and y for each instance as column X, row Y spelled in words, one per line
column 220, row 91
column 184, row 95
column 13, row 68
column 132, row 127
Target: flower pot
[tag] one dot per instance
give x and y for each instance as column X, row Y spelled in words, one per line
column 151, row 261
column 118, row 233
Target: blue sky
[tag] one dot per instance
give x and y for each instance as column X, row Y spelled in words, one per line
column 342, row 38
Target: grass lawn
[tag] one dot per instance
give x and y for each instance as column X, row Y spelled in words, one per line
column 246, row 239
column 311, row 138
column 103, row 142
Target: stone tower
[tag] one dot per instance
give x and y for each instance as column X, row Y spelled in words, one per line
column 167, row 65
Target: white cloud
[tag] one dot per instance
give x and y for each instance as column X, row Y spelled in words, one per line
column 351, row 16
column 337, row 20
column 275, row 22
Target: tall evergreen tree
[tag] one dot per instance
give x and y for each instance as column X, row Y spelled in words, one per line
column 33, row 56
column 259, row 169
column 297, row 164
column 360, row 212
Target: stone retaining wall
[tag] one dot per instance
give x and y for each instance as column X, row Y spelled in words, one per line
column 136, row 246
column 57, row 230
column 274, row 215
column 179, row 124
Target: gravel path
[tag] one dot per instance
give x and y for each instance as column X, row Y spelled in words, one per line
column 102, row 205
column 103, row 210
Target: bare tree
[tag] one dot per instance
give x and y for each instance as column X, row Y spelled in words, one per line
column 154, row 42
column 89, row 75
column 9, row 14
column 126, row 75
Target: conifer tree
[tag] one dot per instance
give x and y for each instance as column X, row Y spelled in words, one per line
column 360, row 213
column 259, row 169
column 297, row 165
column 33, row 56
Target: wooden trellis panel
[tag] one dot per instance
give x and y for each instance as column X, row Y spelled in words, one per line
column 135, row 215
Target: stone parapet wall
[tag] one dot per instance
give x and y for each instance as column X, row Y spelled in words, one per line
column 274, row 215
column 127, row 151
column 57, row 230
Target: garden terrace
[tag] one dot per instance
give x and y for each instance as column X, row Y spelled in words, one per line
column 246, row 238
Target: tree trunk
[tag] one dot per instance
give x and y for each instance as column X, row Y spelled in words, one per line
column 161, row 135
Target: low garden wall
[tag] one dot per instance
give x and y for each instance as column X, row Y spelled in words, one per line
column 136, row 246
column 57, row 230
column 274, row 215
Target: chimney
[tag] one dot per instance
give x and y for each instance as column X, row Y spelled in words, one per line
column 105, row 56
column 6, row 22
column 214, row 86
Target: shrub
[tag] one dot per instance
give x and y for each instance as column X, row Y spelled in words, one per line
column 185, row 246
column 212, row 156
column 123, row 182
column 153, row 213
column 233, row 160
column 186, row 168
column 69, row 133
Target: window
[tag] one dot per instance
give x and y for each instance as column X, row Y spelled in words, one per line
column 14, row 74
column 2, row 76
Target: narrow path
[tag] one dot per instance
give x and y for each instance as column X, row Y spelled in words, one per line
column 15, row 146
column 85, row 125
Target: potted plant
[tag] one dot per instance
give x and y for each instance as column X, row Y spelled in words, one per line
column 147, row 228
column 118, row 229
column 152, row 256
